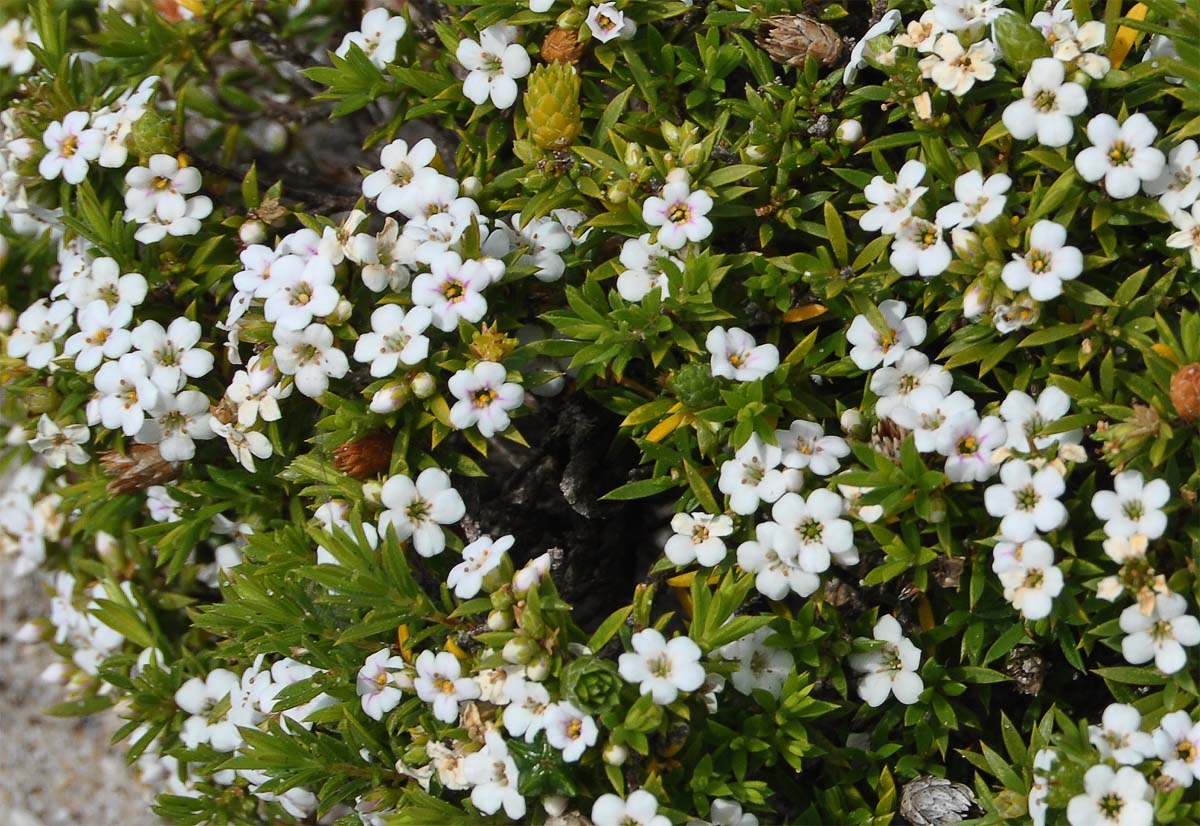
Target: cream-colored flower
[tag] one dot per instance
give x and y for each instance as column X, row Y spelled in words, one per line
column 956, row 69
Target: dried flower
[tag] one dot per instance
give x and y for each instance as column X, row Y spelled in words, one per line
column 790, row 38
column 365, row 457
column 141, row 468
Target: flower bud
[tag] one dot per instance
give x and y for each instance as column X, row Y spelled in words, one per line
column 340, row 313
column 29, row 633
column 965, row 242
column 8, row 319
column 571, row 19
column 389, row 399
column 1185, row 392
column 849, row 131
column 634, row 156
column 252, row 232
column 975, row 301
column 500, row 620
column 757, row 153
column 539, row 669
column 423, row 385
column 471, row 186
column 518, row 650
column 679, row 175
column 619, row 192
column 615, row 755
column 851, row 420
column 555, row 804
column 373, row 492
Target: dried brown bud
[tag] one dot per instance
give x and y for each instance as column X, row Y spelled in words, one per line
column 935, row 801
column 887, row 438
column 1185, row 392
column 1027, row 668
column 790, row 38
column 563, row 46
column 139, row 469
column 365, row 457
column 947, row 571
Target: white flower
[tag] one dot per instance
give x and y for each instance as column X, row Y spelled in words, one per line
column 484, row 398
column 1188, row 235
column 1160, row 636
column 698, row 538
column 452, row 290
column 432, row 235
column 304, row 290
column 857, row 59
column 662, row 668
column 540, row 6
column 1024, row 419
column 919, row 249
column 805, row 445
column 395, row 338
column 153, row 229
column 15, row 37
column 959, row 15
column 761, row 666
column 1073, row 42
column 735, row 356
column 59, row 445
column 178, row 421
column 1112, row 798
column 1043, row 761
column 256, row 392
column 643, row 272
column 38, row 328
column 870, row 349
column 967, row 443
column 752, row 476
column 439, row 681
column 979, row 201
column 256, row 277
column 430, row 193
column 159, row 188
column 546, row 238
column 101, row 335
column 775, row 575
column 377, row 684
column 1135, row 506
column 1026, row 500
column 1119, row 736
column 569, row 730
column 639, row 809
column 606, row 23
column 70, row 144
column 104, row 282
column 928, row 418
column 126, row 393
column 1047, row 105
column 679, row 214
column 419, row 509
column 386, row 259
column 1178, row 187
column 480, row 558
column 198, row 697
column 243, row 443
column 377, row 37
column 1047, row 264
column 893, row 203
column 911, row 382
column 890, row 668
column 725, row 813
column 494, row 776
column 813, row 530
column 338, row 242
column 524, row 716
column 920, row 35
column 955, row 69
column 392, row 186
column 117, row 122
column 172, row 353
column 495, row 64
column 1177, row 743
column 310, row 356
column 1033, row 581
column 1121, row 153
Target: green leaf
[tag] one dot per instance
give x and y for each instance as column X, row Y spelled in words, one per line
column 639, row 489
column 701, row 489
column 837, row 234
column 608, row 629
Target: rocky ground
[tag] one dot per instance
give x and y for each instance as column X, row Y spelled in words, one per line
column 54, row 771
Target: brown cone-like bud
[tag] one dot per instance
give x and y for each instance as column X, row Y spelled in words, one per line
column 790, row 38
column 1185, row 392
column 365, row 457
column 139, row 469
column 562, row 46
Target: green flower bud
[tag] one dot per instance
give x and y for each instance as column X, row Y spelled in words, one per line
column 518, row 650
column 694, row 385
column 500, row 620
column 592, row 684
column 552, row 106
column 539, row 669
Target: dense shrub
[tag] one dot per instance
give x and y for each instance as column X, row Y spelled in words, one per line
column 647, row 412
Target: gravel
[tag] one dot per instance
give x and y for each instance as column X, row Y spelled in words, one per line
column 54, row 771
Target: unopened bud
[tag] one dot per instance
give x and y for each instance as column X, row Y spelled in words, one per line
column 538, row 670
column 975, row 301
column 423, row 385
column 252, row 232
column 554, row 804
column 340, row 313
column 389, row 399
column 518, row 650
column 40, row 399
column 849, row 131
column 757, row 152
column 471, row 186
column 500, row 620
column 8, row 319
column 851, row 420
column 373, row 492
column 615, row 755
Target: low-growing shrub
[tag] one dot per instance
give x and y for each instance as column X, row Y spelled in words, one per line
column 644, row 412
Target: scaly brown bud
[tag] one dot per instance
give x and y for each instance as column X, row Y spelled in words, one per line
column 562, row 46
column 365, row 457
column 1185, row 392
column 790, row 38
column 139, row 469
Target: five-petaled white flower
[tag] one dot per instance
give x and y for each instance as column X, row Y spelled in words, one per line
column 172, row 353
column 775, row 574
column 479, row 559
column 495, row 64
column 639, row 809
column 1120, row 737
column 159, row 188
column 178, row 420
column 893, row 203
column 1134, row 506
column 752, row 476
column 955, row 69
column 303, row 291
column 606, row 22
column 1112, row 798
column 524, row 716
column 419, row 509
column 1026, row 499
column 38, row 329
column 102, row 334
column 1033, row 581
column 870, row 348
column 311, row 357
column 394, row 184
column 379, row 683
column 735, row 355
column 979, row 201
column 1178, row 187
column 1121, row 153
column 245, row 445
column 396, row 338
column 494, row 776
column 698, row 538
column 1160, row 635
column 919, row 249
column 643, row 272
column 858, row 53
column 452, row 289
column 912, row 382
column 1176, row 742
column 805, row 445
column 967, row 443
column 1046, row 106
column 1025, row 418
column 569, row 730
column 484, row 398
column 661, row 668
column 1188, row 235
column 59, row 445
column 890, row 668
column 761, row 666
column 70, row 145
column 1046, row 265
column 126, row 393
column 679, row 214
column 439, row 681
column 377, row 37
column 813, row 530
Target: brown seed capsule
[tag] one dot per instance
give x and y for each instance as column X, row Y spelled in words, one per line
column 1185, row 392
column 562, row 46
column 790, row 38
column 365, row 457
column 935, row 801
column 139, row 469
